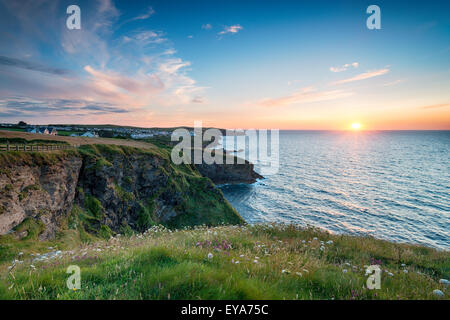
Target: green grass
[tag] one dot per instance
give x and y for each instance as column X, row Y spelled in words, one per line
column 200, row 202
column 68, row 133
column 165, row 264
column 13, row 129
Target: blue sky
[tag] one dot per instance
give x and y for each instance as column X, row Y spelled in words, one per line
column 261, row 64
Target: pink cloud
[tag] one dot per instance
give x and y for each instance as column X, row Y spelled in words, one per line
column 344, row 67
column 305, row 95
column 231, row 29
column 363, row 76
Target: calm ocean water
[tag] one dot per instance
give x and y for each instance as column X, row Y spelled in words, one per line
column 391, row 185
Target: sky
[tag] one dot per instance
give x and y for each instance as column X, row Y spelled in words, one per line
column 311, row 65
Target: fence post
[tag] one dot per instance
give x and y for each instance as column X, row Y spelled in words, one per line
column 7, row 145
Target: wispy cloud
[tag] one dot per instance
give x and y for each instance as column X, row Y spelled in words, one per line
column 393, row 83
column 363, row 76
column 231, row 29
column 305, row 95
column 107, row 6
column 435, row 106
column 145, row 37
column 29, row 107
column 13, row 62
column 344, row 67
column 146, row 15
column 207, row 26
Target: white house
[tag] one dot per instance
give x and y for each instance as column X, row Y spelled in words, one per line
column 90, row 134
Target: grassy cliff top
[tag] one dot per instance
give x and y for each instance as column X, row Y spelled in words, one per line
column 227, row 262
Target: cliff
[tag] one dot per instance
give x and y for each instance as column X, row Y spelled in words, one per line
column 229, row 173
column 105, row 189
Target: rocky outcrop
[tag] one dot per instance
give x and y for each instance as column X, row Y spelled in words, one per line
column 41, row 191
column 106, row 189
column 229, row 173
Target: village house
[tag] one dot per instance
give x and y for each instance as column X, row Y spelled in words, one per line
column 43, row 130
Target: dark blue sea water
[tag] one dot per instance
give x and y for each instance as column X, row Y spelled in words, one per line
column 393, row 185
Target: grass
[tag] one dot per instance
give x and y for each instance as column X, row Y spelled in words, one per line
column 198, row 200
column 225, row 262
column 68, row 133
column 30, row 142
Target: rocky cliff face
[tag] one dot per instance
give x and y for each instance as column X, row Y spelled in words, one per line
column 43, row 191
column 105, row 189
column 229, row 173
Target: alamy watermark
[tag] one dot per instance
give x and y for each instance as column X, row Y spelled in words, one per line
column 374, row 280
column 374, row 20
column 74, row 280
column 260, row 147
column 74, row 20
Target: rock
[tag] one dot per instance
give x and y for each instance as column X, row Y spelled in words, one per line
column 44, row 190
column 229, row 173
column 118, row 183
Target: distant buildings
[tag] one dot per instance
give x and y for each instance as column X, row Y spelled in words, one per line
column 43, row 130
column 90, row 134
column 94, row 131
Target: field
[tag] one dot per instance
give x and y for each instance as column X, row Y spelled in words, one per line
column 225, row 262
column 75, row 140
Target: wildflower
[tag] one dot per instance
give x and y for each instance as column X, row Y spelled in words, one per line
column 255, row 261
column 405, row 271
column 438, row 293
column 444, row 282
column 344, row 271
column 237, row 262
column 285, row 271
column 390, row 274
column 299, row 274
column 330, row 242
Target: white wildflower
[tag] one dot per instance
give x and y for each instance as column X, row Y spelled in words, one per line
column 445, row 282
column 438, row 293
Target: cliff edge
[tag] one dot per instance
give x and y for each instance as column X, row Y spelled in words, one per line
column 107, row 189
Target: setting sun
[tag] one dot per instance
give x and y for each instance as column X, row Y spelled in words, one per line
column 356, row 126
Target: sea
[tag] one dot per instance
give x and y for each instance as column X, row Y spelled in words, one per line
column 392, row 185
